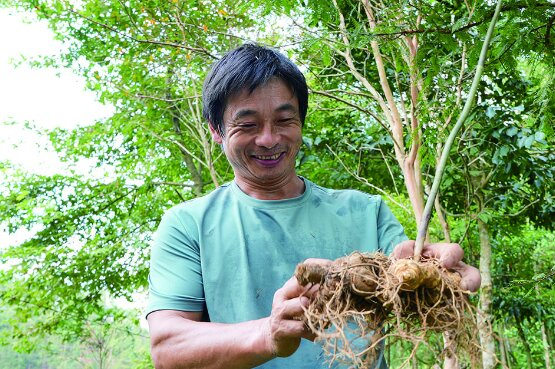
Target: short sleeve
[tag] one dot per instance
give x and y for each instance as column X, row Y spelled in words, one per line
column 175, row 279
column 390, row 231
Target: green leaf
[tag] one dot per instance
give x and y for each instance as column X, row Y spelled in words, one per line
column 529, row 141
column 539, row 136
column 490, row 112
column 22, row 195
column 512, row 131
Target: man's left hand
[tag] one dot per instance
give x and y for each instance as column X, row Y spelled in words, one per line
column 450, row 255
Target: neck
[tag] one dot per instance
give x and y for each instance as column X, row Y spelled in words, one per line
column 273, row 191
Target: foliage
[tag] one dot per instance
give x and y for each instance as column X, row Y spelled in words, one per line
column 525, row 292
column 90, row 234
column 524, row 299
column 126, row 345
column 384, row 92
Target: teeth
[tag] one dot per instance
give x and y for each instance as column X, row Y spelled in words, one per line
column 267, row 157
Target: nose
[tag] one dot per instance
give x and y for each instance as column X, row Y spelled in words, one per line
column 266, row 137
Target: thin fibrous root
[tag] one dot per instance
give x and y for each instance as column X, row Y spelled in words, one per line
column 373, row 297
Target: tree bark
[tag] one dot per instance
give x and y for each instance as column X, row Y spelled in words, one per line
column 484, row 316
column 507, row 348
column 546, row 349
column 502, row 351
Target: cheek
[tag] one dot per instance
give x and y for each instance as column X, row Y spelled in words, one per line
column 233, row 146
column 297, row 138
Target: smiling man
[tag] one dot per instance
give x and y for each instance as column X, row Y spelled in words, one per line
column 221, row 292
column 261, row 138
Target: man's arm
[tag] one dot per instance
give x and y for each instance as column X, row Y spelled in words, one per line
column 180, row 340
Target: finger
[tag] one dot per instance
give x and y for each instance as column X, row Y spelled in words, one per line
column 470, row 277
column 322, row 262
column 312, row 291
column 291, row 328
column 448, row 254
column 290, row 289
column 295, row 327
column 291, row 309
column 308, row 334
column 404, row 250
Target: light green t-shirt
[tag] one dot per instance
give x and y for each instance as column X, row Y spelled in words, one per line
column 228, row 252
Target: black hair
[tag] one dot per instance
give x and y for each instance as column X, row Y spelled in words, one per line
column 248, row 67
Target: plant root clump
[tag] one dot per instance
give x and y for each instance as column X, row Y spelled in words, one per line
column 364, row 299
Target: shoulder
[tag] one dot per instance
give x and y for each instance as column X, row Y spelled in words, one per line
column 345, row 196
column 189, row 213
column 201, row 203
column 182, row 221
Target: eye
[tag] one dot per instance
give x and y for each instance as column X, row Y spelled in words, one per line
column 246, row 125
column 285, row 121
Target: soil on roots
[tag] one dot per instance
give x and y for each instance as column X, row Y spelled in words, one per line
column 366, row 299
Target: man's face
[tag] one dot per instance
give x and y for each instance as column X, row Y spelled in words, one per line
column 262, row 135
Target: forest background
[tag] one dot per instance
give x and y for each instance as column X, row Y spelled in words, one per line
column 387, row 80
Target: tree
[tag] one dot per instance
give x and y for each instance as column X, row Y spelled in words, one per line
column 90, row 233
column 407, row 67
column 387, row 79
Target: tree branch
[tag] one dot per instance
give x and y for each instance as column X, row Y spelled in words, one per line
column 423, row 227
column 151, row 42
column 365, row 181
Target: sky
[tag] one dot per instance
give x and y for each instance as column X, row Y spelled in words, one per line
column 46, row 97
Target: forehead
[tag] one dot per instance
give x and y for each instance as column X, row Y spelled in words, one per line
column 270, row 96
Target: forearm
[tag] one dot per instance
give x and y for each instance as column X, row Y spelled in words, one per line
column 182, row 343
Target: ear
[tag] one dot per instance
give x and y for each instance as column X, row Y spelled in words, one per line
column 215, row 134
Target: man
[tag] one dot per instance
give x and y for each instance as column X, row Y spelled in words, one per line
column 221, row 292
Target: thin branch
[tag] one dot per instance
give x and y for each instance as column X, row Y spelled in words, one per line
column 149, row 42
column 524, row 208
column 165, row 99
column 389, row 170
column 358, row 107
column 390, row 109
column 350, row 63
column 365, row 181
column 449, row 31
column 181, row 147
column 423, row 227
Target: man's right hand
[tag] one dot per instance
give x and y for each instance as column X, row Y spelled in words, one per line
column 285, row 326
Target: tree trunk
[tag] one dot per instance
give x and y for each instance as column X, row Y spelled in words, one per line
column 546, row 349
column 412, row 184
column 484, row 318
column 545, row 341
column 502, row 351
column 437, row 204
column 507, row 347
column 174, row 109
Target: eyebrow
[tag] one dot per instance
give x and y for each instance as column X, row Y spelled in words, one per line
column 286, row 107
column 243, row 113
column 249, row 112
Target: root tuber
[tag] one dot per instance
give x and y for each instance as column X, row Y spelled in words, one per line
column 373, row 297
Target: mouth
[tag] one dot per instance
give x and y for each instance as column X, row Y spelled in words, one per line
column 267, row 157
column 269, row 161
